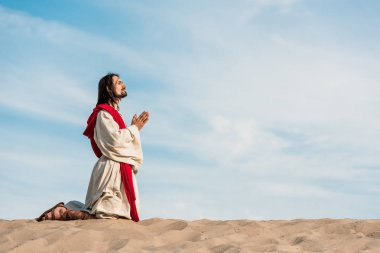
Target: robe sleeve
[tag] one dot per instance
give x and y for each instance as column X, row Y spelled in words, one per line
column 120, row 145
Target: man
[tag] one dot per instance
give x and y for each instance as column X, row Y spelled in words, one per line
column 112, row 191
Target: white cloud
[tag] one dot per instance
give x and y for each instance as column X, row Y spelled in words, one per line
column 245, row 86
column 45, row 94
column 64, row 36
column 47, row 88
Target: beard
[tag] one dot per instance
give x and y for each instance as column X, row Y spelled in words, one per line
column 122, row 95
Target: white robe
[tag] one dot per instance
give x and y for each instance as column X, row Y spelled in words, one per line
column 105, row 194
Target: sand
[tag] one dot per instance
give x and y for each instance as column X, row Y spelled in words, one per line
column 169, row 235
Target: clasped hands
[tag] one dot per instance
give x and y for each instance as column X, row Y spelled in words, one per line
column 141, row 120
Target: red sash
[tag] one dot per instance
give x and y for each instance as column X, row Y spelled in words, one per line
column 125, row 169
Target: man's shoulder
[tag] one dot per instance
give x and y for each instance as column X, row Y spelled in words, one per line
column 105, row 114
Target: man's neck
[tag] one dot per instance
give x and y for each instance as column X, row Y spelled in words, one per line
column 115, row 105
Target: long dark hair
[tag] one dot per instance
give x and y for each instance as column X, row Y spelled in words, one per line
column 106, row 94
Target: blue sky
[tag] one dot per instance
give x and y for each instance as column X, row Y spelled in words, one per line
column 261, row 109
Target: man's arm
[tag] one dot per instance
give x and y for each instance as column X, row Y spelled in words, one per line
column 121, row 145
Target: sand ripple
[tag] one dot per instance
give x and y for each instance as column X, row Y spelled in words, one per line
column 170, row 235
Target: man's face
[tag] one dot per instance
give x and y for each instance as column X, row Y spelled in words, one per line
column 119, row 87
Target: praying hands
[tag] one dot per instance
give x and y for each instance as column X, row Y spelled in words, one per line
column 140, row 120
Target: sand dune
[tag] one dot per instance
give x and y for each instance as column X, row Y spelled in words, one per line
column 169, row 235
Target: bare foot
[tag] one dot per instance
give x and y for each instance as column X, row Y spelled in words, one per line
column 55, row 214
column 77, row 215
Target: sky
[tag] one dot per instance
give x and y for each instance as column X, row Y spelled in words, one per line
column 259, row 109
